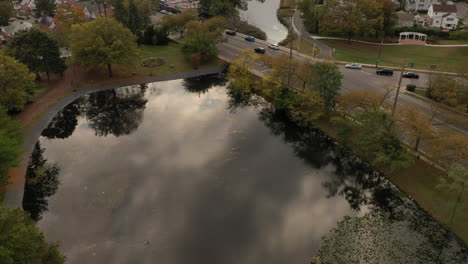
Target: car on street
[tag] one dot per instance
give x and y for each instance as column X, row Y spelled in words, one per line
column 163, row 12
column 388, row 72
column 356, row 66
column 231, row 32
column 274, row 46
column 259, row 50
column 411, row 75
column 250, row 38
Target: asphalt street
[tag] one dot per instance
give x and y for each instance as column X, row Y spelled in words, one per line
column 365, row 78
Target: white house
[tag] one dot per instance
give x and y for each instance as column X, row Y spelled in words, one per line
column 442, row 16
column 419, row 5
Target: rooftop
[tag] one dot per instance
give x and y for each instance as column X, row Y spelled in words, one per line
column 444, row 8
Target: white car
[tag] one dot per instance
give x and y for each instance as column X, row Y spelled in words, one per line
column 274, row 46
column 353, row 66
column 164, row 12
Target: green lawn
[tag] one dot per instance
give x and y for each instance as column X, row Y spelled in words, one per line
column 450, row 42
column 307, row 48
column 175, row 62
column 454, row 59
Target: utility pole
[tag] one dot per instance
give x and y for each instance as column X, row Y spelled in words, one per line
column 398, row 91
column 380, row 52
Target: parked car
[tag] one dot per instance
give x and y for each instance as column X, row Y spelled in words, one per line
column 163, row 12
column 260, row 50
column 274, row 46
column 231, row 32
column 388, row 72
column 250, row 38
column 411, row 75
column 353, row 66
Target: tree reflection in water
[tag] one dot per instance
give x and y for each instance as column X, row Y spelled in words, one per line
column 203, row 84
column 41, row 182
column 64, row 123
column 117, row 112
column 361, row 185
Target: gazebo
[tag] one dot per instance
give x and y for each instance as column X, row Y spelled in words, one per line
column 412, row 38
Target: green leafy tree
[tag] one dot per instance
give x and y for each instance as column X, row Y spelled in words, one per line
column 103, row 42
column 377, row 135
column 38, row 50
column 6, row 11
column 22, row 242
column 134, row 21
column 328, row 83
column 178, row 23
column 10, row 144
column 44, row 8
column 224, row 8
column 16, row 84
column 201, row 39
column 120, row 12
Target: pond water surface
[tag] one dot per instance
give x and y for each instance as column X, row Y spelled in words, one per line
column 183, row 172
column 263, row 15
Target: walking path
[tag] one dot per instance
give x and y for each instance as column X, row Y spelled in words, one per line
column 325, row 51
column 36, row 116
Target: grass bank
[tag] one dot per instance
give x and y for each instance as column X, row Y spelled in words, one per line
column 453, row 59
column 421, row 182
column 175, row 62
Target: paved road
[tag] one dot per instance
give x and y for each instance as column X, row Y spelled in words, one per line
column 325, row 51
column 358, row 80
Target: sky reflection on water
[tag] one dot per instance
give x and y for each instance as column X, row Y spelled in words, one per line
column 171, row 173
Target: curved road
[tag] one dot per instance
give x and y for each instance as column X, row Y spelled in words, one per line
column 358, row 80
column 325, row 51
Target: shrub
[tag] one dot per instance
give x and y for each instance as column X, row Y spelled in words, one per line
column 411, row 87
column 152, row 62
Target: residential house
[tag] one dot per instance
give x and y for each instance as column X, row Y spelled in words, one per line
column 418, row 5
column 14, row 26
column 442, row 16
column 93, row 10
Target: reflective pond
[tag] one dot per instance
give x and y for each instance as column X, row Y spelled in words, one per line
column 185, row 172
column 262, row 13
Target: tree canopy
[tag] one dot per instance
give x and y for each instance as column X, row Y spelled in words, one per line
column 16, row 83
column 65, row 17
column 366, row 18
column 44, row 8
column 201, row 39
column 22, row 242
column 103, row 42
column 38, row 50
column 178, row 23
column 224, row 8
column 6, row 11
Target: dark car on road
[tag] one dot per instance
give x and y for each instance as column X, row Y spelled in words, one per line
column 388, row 72
column 230, row 32
column 260, row 50
column 250, row 38
column 411, row 75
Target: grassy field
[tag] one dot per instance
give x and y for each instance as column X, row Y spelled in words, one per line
column 422, row 182
column 450, row 42
column 175, row 62
column 454, row 59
